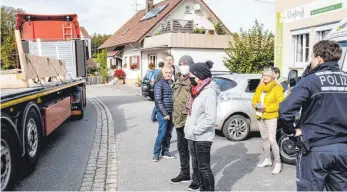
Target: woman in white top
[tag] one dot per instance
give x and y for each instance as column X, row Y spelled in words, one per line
column 266, row 101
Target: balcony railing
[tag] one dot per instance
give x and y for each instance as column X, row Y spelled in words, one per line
column 188, row 40
column 177, row 26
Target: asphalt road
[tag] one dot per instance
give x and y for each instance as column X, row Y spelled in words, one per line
column 64, row 157
column 233, row 163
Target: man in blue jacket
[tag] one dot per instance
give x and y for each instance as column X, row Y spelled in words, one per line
column 322, row 94
column 163, row 98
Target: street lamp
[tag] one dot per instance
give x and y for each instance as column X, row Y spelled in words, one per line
column 265, row 1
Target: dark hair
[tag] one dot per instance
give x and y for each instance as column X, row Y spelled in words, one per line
column 277, row 70
column 161, row 64
column 327, row 50
column 169, row 55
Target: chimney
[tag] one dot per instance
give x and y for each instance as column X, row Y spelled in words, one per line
column 149, row 5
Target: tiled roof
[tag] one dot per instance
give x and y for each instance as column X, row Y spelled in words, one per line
column 91, row 63
column 84, row 32
column 134, row 30
column 112, row 53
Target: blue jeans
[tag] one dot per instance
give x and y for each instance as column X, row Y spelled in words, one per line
column 162, row 143
column 154, row 113
column 200, row 152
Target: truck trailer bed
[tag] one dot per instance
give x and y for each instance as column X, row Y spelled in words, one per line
column 13, row 96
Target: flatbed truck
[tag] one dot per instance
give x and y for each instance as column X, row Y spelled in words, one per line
column 33, row 111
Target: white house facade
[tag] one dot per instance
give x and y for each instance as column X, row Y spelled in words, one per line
column 177, row 27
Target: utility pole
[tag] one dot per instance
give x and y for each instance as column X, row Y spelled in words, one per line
column 136, row 6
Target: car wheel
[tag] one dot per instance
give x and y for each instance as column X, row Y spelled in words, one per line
column 32, row 135
column 9, row 159
column 236, row 128
column 287, row 149
column 151, row 97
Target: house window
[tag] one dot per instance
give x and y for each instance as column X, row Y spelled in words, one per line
column 188, row 10
column 134, row 62
column 322, row 34
column 152, row 59
column 302, row 48
column 125, row 62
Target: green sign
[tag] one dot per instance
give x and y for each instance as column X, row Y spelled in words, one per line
column 326, row 9
column 279, row 41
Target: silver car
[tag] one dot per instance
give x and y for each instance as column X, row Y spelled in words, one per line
column 235, row 114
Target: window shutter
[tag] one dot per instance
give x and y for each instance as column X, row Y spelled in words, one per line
column 138, row 60
column 130, row 60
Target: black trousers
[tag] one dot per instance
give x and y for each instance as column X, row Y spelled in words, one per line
column 182, row 146
column 324, row 167
column 201, row 162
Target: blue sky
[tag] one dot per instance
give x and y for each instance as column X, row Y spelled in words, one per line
column 106, row 16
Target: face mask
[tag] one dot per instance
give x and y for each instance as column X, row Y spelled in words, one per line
column 184, row 69
column 192, row 81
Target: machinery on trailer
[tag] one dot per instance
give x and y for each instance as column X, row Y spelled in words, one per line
column 48, row 88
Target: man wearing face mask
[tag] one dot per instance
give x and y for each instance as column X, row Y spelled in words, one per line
column 181, row 90
column 322, row 94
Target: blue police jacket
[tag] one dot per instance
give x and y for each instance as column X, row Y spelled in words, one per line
column 322, row 94
column 163, row 97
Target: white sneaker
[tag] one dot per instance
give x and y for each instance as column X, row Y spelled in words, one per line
column 266, row 163
column 277, row 169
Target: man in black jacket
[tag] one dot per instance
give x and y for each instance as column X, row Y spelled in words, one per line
column 164, row 102
column 322, row 94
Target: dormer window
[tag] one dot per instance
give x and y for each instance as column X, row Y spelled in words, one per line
column 188, row 9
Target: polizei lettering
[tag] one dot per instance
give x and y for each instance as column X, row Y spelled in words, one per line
column 333, row 81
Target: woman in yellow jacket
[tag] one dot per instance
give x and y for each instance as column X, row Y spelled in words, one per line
column 266, row 101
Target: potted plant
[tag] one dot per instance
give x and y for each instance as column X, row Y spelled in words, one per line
column 120, row 74
column 151, row 66
column 133, row 67
column 219, row 28
column 210, row 32
column 138, row 82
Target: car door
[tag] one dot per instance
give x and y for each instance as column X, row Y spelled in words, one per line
column 249, row 90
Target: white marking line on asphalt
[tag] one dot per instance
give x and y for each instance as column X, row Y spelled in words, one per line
column 101, row 171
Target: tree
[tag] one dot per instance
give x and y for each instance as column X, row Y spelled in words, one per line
column 8, row 43
column 97, row 40
column 251, row 51
column 101, row 59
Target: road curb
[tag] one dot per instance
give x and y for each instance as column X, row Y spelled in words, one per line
column 101, row 171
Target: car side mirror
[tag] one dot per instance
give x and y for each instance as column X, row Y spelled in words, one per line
column 293, row 76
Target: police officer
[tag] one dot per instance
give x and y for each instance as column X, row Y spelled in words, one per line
column 322, row 94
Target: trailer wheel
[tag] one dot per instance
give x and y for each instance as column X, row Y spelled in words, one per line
column 10, row 152
column 84, row 96
column 32, row 138
column 82, row 101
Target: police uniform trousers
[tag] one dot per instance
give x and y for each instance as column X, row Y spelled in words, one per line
column 323, row 167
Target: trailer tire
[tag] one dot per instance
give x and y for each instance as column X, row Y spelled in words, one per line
column 84, row 96
column 10, row 153
column 81, row 95
column 32, row 133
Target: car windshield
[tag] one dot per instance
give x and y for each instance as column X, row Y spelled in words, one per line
column 224, row 84
column 149, row 74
